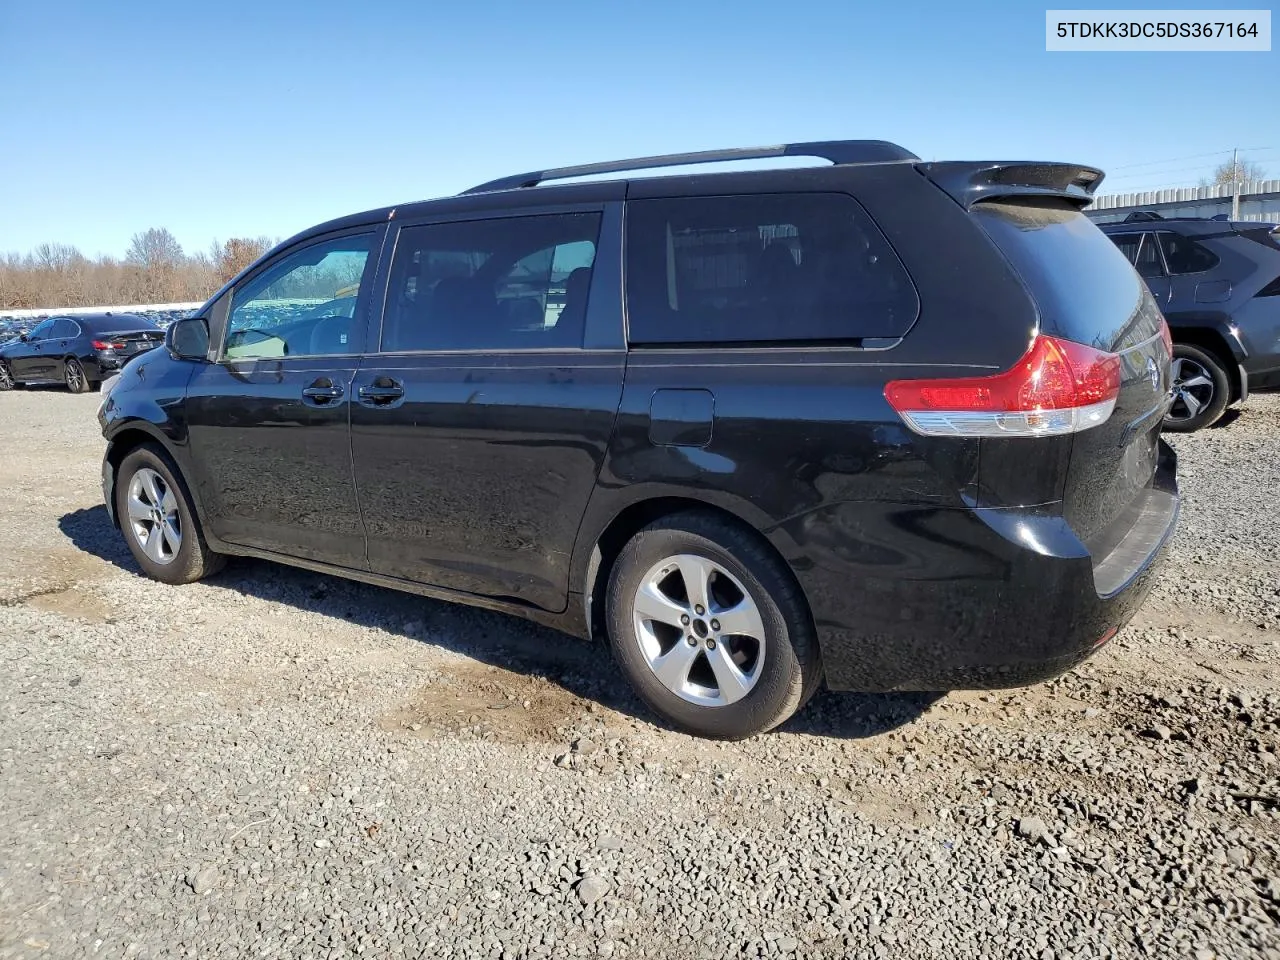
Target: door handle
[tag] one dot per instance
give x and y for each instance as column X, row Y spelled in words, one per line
column 322, row 391
column 381, row 392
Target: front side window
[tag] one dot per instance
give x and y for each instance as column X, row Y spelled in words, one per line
column 1184, row 255
column 508, row 283
column 302, row 305
column 762, row 268
column 41, row 331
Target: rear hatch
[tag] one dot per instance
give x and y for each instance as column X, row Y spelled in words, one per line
column 126, row 343
column 1086, row 291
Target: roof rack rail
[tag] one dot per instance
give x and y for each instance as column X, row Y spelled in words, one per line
column 1139, row 216
column 837, row 151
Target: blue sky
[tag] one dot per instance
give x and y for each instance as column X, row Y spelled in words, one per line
column 240, row 119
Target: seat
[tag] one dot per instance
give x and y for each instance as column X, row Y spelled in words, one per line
column 330, row 336
column 464, row 315
column 572, row 318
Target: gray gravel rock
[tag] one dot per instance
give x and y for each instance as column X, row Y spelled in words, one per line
column 203, row 879
column 592, row 887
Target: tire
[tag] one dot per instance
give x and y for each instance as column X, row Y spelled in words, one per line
column 771, row 675
column 1202, row 389
column 73, row 375
column 6, row 377
column 158, row 478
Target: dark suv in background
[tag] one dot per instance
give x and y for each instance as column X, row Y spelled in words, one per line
column 1218, row 284
column 79, row 351
column 889, row 423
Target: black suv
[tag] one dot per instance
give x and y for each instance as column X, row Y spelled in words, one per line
column 79, row 351
column 888, row 423
column 1218, row 284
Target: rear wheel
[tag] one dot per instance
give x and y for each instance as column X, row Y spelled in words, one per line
column 73, row 373
column 1201, row 389
column 710, row 627
column 157, row 519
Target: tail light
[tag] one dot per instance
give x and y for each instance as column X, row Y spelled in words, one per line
column 1056, row 387
column 108, row 345
column 1166, row 335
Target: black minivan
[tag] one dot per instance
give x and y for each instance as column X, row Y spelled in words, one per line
column 883, row 424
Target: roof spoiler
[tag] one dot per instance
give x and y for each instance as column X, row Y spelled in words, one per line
column 970, row 182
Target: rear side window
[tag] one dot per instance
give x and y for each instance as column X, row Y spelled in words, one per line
column 64, row 329
column 507, row 283
column 1084, row 287
column 1185, row 255
column 762, row 268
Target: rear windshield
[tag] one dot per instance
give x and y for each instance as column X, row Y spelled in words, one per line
column 1086, row 289
column 125, row 321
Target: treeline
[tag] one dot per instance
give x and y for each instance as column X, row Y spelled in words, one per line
column 155, row 270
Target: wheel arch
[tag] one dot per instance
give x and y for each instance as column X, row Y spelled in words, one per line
column 1207, row 333
column 132, row 434
column 610, row 534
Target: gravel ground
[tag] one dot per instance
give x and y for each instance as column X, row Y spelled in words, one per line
column 279, row 764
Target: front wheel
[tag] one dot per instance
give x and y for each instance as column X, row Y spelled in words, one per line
column 6, row 377
column 73, row 373
column 1201, row 389
column 710, row 627
column 158, row 521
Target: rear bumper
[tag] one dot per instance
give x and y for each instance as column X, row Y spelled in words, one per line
column 918, row 598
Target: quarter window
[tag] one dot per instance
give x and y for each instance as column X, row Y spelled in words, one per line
column 1149, row 263
column 508, row 283
column 762, row 268
column 302, row 305
column 1185, row 255
column 1129, row 244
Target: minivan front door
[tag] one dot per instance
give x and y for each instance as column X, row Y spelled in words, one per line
column 479, row 430
column 269, row 419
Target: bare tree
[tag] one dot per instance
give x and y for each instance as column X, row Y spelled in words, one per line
column 58, row 275
column 154, row 248
column 237, row 253
column 1242, row 171
column 57, row 256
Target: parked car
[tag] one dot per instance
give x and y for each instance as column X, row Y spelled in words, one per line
column 79, row 351
column 12, row 329
column 891, row 424
column 1218, row 284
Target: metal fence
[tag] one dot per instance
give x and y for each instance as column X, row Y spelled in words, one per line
column 1259, row 200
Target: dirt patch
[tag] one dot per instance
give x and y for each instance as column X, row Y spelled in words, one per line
column 478, row 701
column 72, row 603
column 58, row 584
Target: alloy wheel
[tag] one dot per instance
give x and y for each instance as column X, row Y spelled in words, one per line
column 1192, row 388
column 154, row 520
column 699, row 630
column 6, row 378
column 75, row 376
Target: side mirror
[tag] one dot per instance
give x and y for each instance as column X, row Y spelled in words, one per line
column 188, row 339
column 23, row 337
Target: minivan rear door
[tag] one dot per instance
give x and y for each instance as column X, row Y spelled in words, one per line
column 1085, row 291
column 482, row 411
